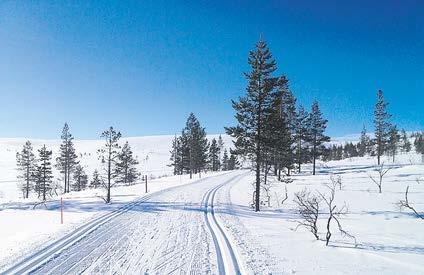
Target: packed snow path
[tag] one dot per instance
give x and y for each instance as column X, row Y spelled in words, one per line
column 171, row 231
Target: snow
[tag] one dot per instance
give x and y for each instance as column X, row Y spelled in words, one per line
column 166, row 230
column 389, row 241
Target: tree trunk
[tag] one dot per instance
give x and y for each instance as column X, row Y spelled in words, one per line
column 314, row 153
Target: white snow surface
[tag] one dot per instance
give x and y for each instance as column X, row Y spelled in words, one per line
column 207, row 226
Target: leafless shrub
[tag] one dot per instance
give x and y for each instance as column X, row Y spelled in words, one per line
column 280, row 201
column 337, row 180
column 406, row 204
column 308, row 206
column 334, row 213
column 382, row 171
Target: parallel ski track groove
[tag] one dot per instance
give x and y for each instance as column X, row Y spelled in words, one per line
column 209, row 204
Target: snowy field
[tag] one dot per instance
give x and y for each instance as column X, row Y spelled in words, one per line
column 152, row 153
column 168, row 231
column 389, row 241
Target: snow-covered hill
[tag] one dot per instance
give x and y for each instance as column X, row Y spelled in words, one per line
column 153, row 153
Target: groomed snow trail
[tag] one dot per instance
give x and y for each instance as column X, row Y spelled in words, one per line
column 167, row 232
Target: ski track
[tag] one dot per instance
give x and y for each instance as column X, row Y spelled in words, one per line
column 173, row 231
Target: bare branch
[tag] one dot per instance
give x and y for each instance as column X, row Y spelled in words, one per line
column 405, row 204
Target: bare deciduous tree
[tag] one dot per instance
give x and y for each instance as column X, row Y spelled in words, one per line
column 337, row 179
column 382, row 171
column 334, row 212
column 308, row 206
column 406, row 204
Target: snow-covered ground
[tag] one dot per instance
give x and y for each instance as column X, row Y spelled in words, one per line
column 24, row 229
column 389, row 241
column 153, row 153
column 174, row 229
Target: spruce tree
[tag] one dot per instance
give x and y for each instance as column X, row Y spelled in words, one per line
column 232, row 161
column 108, row 156
column 67, row 159
column 419, row 145
column 279, row 132
column 196, row 143
column 301, row 137
column 125, row 168
column 220, row 150
column 364, row 143
column 406, row 144
column 43, row 173
column 214, row 155
column 26, row 163
column 225, row 161
column 80, row 179
column 253, row 110
column 176, row 155
column 381, row 124
column 317, row 125
column 95, row 181
column 392, row 143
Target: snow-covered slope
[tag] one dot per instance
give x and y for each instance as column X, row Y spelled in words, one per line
column 152, row 152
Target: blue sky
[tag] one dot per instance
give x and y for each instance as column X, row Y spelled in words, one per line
column 143, row 66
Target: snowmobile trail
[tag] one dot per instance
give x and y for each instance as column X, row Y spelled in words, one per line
column 171, row 231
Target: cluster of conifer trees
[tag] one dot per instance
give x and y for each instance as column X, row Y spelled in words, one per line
column 36, row 173
column 271, row 129
column 192, row 153
column 387, row 138
column 397, row 143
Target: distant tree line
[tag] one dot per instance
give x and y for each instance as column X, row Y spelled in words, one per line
column 35, row 174
column 399, row 142
column 192, row 153
column 388, row 140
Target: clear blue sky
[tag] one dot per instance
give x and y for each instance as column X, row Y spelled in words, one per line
column 142, row 66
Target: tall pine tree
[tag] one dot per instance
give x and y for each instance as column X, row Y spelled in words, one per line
column 214, row 160
column 80, row 179
column 253, row 110
column 67, row 159
column 26, row 163
column 381, row 124
column 301, row 137
column 126, row 166
column 43, row 173
column 108, row 155
column 317, row 125
column 196, row 143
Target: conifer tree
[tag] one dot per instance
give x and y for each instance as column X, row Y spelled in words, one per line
column 232, row 161
column 225, row 161
column 43, row 173
column 392, row 143
column 381, row 124
column 125, row 168
column 26, row 163
column 301, row 137
column 80, row 178
column 253, row 110
column 108, row 155
column 279, row 131
column 214, row 155
column 67, row 159
column 177, row 156
column 220, row 150
column 196, row 145
column 419, row 145
column 406, row 144
column 364, row 144
column 95, row 181
column 316, row 136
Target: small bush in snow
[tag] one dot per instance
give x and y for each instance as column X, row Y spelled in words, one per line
column 308, row 206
